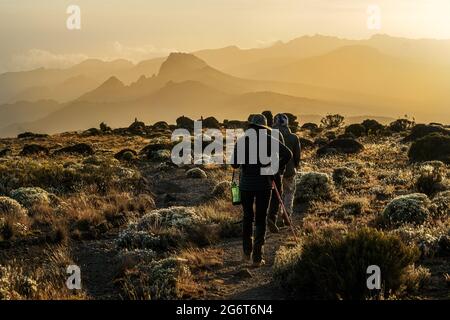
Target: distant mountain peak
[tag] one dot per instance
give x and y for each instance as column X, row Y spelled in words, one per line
column 178, row 62
column 112, row 82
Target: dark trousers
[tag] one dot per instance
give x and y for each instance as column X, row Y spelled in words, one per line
column 275, row 202
column 261, row 200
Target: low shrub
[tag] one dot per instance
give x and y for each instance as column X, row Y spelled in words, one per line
column 411, row 208
column 314, row 186
column 335, row 267
column 430, row 178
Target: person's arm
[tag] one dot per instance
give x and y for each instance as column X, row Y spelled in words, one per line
column 234, row 163
column 297, row 152
column 285, row 155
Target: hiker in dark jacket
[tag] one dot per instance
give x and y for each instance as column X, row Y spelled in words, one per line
column 285, row 182
column 256, row 187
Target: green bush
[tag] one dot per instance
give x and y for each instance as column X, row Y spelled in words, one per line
column 313, row 186
column 344, row 174
column 335, row 267
column 58, row 177
column 411, row 208
column 166, row 279
column 332, row 121
column 430, row 178
column 441, row 204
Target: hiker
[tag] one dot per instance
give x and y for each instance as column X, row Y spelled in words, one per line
column 255, row 187
column 285, row 180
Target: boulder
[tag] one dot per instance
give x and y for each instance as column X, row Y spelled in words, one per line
column 372, row 126
column 161, row 125
column 196, row 173
column 422, row 130
column 234, row 124
column 5, row 152
column 357, row 130
column 431, row 147
column 79, row 148
column 211, row 123
column 310, row 126
column 31, row 135
column 185, row 123
column 306, row 143
column 222, row 189
column 34, row 149
column 125, row 155
column 347, row 146
column 150, row 150
column 137, row 128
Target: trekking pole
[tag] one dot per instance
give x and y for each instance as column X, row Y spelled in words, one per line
column 284, row 211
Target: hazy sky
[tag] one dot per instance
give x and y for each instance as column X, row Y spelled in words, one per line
column 33, row 33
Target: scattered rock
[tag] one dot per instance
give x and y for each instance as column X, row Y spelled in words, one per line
column 434, row 146
column 243, row 274
column 196, row 173
column 320, row 142
column 306, row 143
column 31, row 135
column 356, row 130
column 372, row 126
column 185, row 123
column 125, row 155
column 161, row 125
column 310, row 126
column 137, row 128
column 222, row 189
column 234, row 124
column 347, row 146
column 150, row 150
column 5, row 152
column 343, row 174
column 92, row 132
column 34, row 149
column 421, row 130
column 79, row 148
column 211, row 122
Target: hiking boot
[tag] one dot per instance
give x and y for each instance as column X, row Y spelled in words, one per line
column 272, row 226
column 286, row 221
column 246, row 258
column 280, row 224
column 258, row 264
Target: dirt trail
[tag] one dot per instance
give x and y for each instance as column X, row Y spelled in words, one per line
column 231, row 280
column 237, row 280
column 98, row 267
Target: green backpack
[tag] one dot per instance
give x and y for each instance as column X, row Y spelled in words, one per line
column 235, row 192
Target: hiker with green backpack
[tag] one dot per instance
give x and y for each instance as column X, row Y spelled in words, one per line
column 255, row 188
